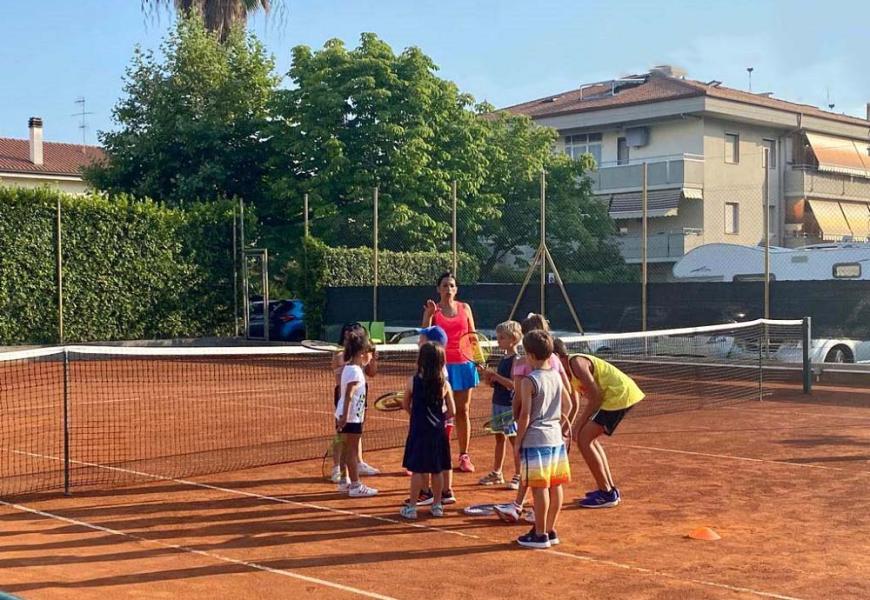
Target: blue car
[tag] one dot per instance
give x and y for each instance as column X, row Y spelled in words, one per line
column 286, row 320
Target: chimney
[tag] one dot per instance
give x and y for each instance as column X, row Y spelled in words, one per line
column 669, row 71
column 35, row 127
column 868, row 111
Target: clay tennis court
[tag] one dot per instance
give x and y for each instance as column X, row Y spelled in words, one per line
column 785, row 482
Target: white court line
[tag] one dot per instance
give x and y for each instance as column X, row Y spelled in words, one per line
column 786, row 411
column 598, row 561
column 740, row 458
column 212, row 555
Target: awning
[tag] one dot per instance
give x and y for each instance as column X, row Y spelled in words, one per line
column 831, row 219
column 858, row 217
column 659, row 203
column 841, row 155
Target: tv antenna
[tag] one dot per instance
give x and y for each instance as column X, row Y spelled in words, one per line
column 750, row 70
column 831, row 105
column 83, row 121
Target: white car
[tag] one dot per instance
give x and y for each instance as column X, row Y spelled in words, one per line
column 826, row 350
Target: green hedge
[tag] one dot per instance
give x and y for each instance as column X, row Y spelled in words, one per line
column 132, row 269
column 324, row 267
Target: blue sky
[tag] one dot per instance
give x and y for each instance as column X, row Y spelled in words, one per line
column 504, row 51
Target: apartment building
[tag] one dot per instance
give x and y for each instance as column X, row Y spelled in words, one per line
column 33, row 162
column 704, row 146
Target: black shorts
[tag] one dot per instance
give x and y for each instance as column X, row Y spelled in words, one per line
column 352, row 428
column 609, row 419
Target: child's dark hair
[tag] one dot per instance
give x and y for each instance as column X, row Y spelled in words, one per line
column 539, row 344
column 534, row 322
column 354, row 343
column 559, row 348
column 430, row 370
column 445, row 275
column 349, row 328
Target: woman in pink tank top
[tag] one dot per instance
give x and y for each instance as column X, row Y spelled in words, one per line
column 456, row 319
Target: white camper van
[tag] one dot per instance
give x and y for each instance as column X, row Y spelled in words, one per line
column 840, row 261
column 732, row 262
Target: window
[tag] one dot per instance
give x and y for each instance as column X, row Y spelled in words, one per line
column 621, row 151
column 578, row 145
column 847, row 270
column 771, row 152
column 732, row 148
column 732, row 217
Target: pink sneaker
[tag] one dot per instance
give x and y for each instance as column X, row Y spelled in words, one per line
column 465, row 464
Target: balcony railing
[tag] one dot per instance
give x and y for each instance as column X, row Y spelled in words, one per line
column 673, row 171
column 661, row 247
column 804, row 180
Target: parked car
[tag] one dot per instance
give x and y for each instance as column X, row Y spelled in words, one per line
column 286, row 320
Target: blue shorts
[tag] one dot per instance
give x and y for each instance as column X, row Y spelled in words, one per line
column 462, row 376
column 502, row 420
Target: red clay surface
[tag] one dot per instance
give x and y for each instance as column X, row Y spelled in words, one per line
column 784, row 481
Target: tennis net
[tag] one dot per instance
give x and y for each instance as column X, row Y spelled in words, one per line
column 85, row 416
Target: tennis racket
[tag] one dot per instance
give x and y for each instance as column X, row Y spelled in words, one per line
column 335, row 445
column 389, row 402
column 475, row 347
column 404, row 337
column 480, row 510
column 321, row 346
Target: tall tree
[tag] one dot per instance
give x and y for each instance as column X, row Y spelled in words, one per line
column 219, row 16
column 191, row 123
column 367, row 117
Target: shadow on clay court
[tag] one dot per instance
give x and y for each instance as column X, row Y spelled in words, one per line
column 827, row 440
column 334, row 560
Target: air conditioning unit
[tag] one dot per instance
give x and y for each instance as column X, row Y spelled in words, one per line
column 637, row 136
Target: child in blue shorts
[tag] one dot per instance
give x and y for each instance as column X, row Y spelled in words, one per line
column 508, row 335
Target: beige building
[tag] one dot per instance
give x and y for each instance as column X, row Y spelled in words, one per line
column 34, row 163
column 704, row 147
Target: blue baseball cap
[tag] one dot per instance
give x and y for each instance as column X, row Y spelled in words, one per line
column 434, row 334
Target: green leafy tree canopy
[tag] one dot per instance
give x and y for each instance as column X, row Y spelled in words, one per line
column 191, row 123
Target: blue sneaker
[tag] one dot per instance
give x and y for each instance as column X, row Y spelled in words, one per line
column 600, row 500
column 593, row 492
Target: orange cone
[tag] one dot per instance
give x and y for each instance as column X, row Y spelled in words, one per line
column 704, row 533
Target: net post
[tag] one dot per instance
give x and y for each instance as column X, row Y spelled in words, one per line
column 66, row 460
column 806, row 342
column 761, row 361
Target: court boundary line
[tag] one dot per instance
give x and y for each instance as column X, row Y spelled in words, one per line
column 740, row 458
column 205, row 553
column 328, row 509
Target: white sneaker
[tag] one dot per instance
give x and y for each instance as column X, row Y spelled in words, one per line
column 363, row 468
column 336, row 474
column 361, row 490
column 343, row 485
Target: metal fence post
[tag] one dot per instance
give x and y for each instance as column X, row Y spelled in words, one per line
column 644, row 273
column 543, row 243
column 305, row 212
column 375, row 258
column 807, row 331
column 59, row 267
column 766, row 222
column 235, row 274
column 245, row 307
column 455, row 250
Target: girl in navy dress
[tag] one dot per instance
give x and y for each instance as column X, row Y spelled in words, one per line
column 427, row 450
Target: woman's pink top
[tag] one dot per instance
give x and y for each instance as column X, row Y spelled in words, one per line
column 455, row 327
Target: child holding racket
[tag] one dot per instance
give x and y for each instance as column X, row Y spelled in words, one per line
column 350, row 412
column 427, row 450
column 508, row 335
column 511, row 512
column 544, row 460
column 371, row 370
